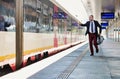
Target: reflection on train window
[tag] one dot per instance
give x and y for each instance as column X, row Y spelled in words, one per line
column 30, row 15
column 37, row 17
column 7, row 12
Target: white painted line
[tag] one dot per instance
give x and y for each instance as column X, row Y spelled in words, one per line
column 30, row 70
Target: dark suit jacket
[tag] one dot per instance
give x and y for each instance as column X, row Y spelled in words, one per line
column 87, row 24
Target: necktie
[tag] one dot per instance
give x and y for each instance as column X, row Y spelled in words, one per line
column 92, row 27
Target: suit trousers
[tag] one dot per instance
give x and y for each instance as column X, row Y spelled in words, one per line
column 92, row 40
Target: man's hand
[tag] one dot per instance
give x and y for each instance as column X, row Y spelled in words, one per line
column 99, row 34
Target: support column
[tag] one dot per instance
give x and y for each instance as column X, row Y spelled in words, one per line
column 115, row 25
column 118, row 34
column 65, row 31
column 19, row 33
column 55, row 22
column 71, row 30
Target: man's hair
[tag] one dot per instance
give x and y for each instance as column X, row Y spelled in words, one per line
column 92, row 15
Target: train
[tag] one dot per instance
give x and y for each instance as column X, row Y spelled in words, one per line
column 41, row 38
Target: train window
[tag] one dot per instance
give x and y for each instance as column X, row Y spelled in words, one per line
column 30, row 15
column 7, row 13
column 37, row 17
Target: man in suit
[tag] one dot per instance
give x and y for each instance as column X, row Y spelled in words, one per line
column 92, row 32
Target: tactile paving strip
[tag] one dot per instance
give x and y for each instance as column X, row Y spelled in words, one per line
column 65, row 74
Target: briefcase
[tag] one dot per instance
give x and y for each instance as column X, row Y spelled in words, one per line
column 100, row 39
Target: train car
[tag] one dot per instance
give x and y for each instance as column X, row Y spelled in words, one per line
column 40, row 32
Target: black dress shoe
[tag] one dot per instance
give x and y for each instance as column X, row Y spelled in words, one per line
column 97, row 50
column 91, row 54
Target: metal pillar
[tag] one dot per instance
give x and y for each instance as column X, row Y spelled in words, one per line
column 71, row 30
column 19, row 33
column 118, row 33
column 65, row 31
column 115, row 31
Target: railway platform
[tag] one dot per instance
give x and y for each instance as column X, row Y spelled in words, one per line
column 75, row 63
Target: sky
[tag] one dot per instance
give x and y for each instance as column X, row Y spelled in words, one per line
column 76, row 8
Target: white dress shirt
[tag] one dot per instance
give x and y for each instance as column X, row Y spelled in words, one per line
column 90, row 29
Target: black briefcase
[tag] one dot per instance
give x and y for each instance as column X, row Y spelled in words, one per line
column 100, row 39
